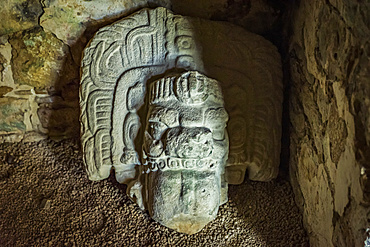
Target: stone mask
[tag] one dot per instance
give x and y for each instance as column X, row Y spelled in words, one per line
column 185, row 151
column 176, row 158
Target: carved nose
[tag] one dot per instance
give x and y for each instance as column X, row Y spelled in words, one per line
column 187, row 198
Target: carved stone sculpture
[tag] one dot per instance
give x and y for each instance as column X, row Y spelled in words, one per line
column 185, row 150
column 151, row 112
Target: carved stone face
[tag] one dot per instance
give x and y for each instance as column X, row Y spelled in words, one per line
column 185, row 151
column 181, row 174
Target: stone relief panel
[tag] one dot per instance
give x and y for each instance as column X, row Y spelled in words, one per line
column 161, row 64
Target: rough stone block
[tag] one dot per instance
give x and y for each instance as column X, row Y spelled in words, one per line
column 12, row 115
column 6, row 75
column 329, row 112
column 68, row 19
column 18, row 15
column 37, row 58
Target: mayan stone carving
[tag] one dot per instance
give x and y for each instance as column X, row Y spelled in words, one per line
column 185, row 150
column 180, row 107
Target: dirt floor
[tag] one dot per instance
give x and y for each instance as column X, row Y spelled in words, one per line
column 47, row 200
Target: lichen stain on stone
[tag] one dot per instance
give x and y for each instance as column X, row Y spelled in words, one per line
column 26, row 11
column 19, row 15
column 37, row 58
column 337, row 131
column 64, row 15
column 64, row 19
column 2, row 65
column 12, row 114
column 13, row 125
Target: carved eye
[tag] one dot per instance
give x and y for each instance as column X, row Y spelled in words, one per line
column 156, row 129
column 170, row 118
column 166, row 116
column 152, row 147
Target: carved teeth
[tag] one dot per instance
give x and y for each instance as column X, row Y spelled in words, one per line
column 171, row 163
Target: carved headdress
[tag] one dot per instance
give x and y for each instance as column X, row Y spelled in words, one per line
column 186, row 124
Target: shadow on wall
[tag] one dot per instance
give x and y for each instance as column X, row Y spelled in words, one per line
column 59, row 115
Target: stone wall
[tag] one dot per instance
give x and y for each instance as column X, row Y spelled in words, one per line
column 41, row 45
column 329, row 108
column 329, row 103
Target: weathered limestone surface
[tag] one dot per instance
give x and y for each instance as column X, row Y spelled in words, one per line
column 37, row 58
column 69, row 19
column 18, row 15
column 182, row 178
column 186, row 118
column 12, row 114
column 329, row 112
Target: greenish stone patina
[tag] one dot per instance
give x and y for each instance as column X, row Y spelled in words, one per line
column 12, row 114
column 37, row 58
column 19, row 15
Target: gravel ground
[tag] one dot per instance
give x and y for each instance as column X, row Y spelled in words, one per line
column 47, row 200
